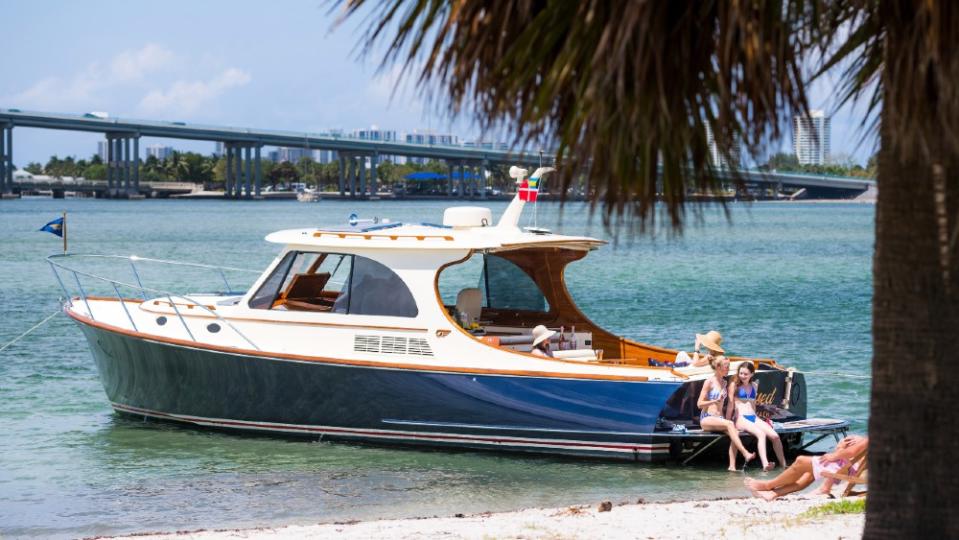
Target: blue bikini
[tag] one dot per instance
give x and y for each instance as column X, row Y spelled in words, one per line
column 750, row 395
column 714, row 393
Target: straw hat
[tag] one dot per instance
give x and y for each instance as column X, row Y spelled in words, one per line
column 541, row 333
column 711, row 340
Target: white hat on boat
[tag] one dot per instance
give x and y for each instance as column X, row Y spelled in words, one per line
column 541, row 333
column 712, row 340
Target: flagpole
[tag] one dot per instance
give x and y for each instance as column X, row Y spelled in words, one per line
column 64, row 232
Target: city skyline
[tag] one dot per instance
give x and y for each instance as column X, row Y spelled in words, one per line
column 200, row 69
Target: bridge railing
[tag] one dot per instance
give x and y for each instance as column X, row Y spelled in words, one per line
column 61, row 266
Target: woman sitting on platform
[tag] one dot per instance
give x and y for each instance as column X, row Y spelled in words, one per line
column 807, row 469
column 743, row 391
column 710, row 402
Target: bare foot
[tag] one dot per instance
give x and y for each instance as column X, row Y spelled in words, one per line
column 769, row 466
column 766, row 495
column 754, row 485
column 749, row 457
column 732, row 469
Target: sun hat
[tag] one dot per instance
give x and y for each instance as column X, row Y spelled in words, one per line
column 541, row 333
column 711, row 340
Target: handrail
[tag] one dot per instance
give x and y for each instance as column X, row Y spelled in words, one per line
column 116, row 284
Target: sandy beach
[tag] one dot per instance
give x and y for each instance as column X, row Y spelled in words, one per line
column 730, row 518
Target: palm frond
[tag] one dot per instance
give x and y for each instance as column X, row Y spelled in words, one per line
column 625, row 89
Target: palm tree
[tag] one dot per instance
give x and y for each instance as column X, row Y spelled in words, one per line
column 626, row 89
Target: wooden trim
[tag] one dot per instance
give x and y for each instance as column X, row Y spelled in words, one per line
column 456, row 325
column 340, row 361
column 366, row 236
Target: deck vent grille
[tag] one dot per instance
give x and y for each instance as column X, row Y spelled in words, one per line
column 420, row 347
column 393, row 345
column 366, row 344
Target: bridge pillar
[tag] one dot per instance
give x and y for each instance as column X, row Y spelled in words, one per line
column 238, row 172
column 259, row 170
column 126, row 165
column 482, row 172
column 374, row 161
column 117, row 169
column 228, row 170
column 109, row 164
column 136, row 164
column 342, row 173
column 362, row 162
column 248, row 158
column 450, row 183
column 352, row 160
column 10, row 169
column 5, row 187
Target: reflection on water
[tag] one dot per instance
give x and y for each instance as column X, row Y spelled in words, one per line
column 786, row 281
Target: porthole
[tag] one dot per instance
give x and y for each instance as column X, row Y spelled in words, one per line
column 161, row 320
column 213, row 328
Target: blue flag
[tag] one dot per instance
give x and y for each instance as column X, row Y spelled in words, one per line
column 55, row 227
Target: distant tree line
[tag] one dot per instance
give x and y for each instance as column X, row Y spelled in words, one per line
column 840, row 165
column 210, row 170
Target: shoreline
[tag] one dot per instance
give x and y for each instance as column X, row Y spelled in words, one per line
column 718, row 518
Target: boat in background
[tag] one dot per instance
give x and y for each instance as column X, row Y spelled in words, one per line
column 411, row 334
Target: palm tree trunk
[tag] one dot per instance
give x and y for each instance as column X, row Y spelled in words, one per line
column 914, row 441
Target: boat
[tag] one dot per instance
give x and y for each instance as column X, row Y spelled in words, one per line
column 308, row 195
column 417, row 334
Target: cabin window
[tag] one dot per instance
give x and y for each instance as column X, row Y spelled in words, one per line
column 337, row 283
column 263, row 299
column 502, row 284
column 506, row 286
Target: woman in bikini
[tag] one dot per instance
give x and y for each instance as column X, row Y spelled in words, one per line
column 710, row 402
column 742, row 407
column 807, row 469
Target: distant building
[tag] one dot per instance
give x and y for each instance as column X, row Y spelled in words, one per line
column 325, row 156
column 292, row 155
column 431, row 139
column 811, row 138
column 102, row 150
column 717, row 157
column 159, row 151
column 220, row 149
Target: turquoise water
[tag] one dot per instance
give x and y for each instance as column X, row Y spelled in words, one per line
column 788, row 281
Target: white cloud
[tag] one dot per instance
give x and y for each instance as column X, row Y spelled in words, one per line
column 186, row 97
column 86, row 88
column 133, row 65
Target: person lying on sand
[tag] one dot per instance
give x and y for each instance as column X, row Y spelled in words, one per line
column 807, row 469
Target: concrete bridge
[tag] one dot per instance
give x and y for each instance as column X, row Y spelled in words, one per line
column 243, row 145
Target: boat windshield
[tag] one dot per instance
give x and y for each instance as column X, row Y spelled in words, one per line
column 336, row 283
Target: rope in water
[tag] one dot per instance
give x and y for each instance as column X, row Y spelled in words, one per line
column 834, row 374
column 32, row 328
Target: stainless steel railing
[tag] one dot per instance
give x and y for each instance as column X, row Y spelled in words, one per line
column 58, row 263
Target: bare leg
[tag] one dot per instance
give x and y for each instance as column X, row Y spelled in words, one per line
column 720, row 425
column 732, row 457
column 753, row 429
column 792, row 475
column 775, row 440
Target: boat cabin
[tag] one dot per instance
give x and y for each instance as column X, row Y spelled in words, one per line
column 493, row 284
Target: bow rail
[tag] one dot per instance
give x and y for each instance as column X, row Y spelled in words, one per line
column 59, row 263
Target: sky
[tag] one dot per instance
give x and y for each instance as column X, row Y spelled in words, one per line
column 282, row 65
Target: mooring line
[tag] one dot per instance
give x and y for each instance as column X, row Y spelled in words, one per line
column 834, row 374
column 32, row 328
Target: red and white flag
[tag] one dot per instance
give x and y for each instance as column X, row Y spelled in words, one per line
column 526, row 192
